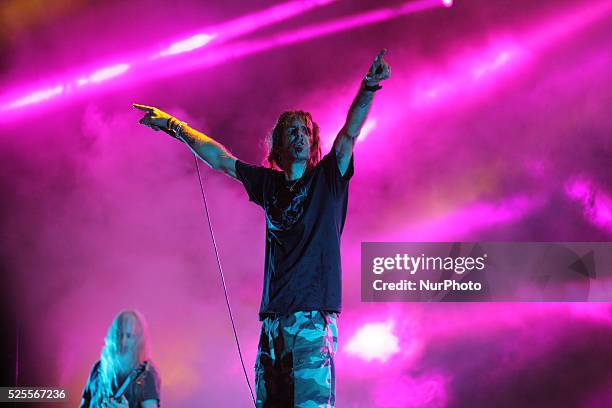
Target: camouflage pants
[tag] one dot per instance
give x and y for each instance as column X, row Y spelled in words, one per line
column 294, row 365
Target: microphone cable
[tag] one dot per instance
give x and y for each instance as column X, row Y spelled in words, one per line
column 229, row 309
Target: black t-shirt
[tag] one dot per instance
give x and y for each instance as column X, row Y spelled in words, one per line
column 146, row 388
column 304, row 222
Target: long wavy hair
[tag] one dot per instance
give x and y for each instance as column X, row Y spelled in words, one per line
column 111, row 366
column 275, row 139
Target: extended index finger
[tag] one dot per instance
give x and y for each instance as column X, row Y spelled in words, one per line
column 381, row 54
column 143, row 107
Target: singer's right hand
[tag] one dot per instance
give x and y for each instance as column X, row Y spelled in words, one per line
column 154, row 118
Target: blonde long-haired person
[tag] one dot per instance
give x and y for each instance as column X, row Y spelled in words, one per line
column 125, row 347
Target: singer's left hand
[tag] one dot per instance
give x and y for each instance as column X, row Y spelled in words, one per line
column 379, row 70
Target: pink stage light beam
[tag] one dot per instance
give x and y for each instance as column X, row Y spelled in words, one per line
column 36, row 97
column 108, row 73
column 144, row 62
column 342, row 24
column 239, row 27
column 579, row 19
column 190, row 44
column 245, row 48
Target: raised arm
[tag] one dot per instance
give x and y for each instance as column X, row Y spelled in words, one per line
column 209, row 150
column 346, row 138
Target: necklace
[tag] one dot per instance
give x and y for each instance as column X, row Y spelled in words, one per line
column 294, row 184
